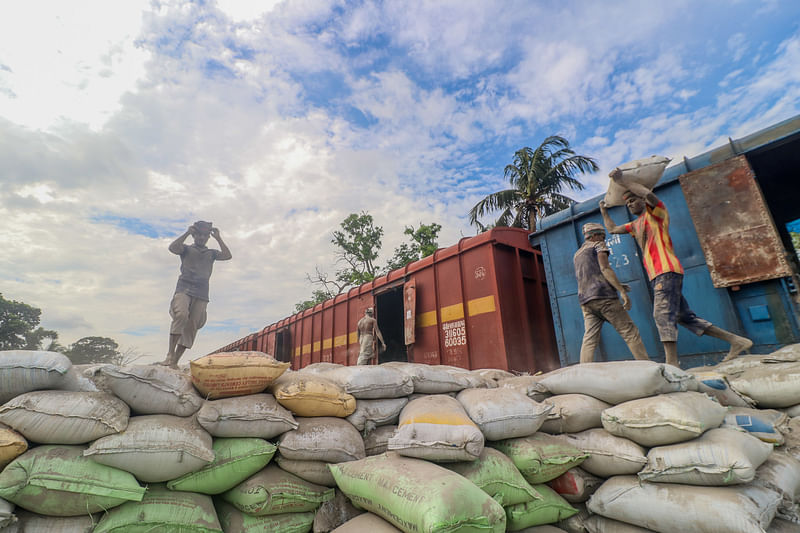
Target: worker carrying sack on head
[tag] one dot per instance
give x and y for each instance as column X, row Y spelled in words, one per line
column 651, row 232
column 598, row 286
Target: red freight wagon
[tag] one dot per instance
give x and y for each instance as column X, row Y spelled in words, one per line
column 481, row 303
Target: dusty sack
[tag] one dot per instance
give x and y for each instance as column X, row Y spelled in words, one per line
column 646, row 171
column 540, row 457
column 761, row 423
column 311, row 395
column 226, row 374
column 372, row 381
column 664, row 419
column 528, row 385
column 335, row 512
column 323, row 438
column 235, row 521
column 152, row 389
column 316, row 472
column 377, row 441
column 12, row 445
column 601, row 524
column 548, row 508
column 496, row 475
column 503, row 413
column 254, row 415
column 572, row 413
column 770, row 385
column 24, row 371
column 437, row 428
column 608, row 455
column 35, row 523
column 716, row 385
column 416, row 495
column 370, row 414
column 63, row 417
column 431, row 379
column 781, row 473
column 575, row 485
column 366, row 522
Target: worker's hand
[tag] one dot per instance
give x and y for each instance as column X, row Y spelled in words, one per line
column 383, row 347
column 626, row 301
column 215, row 233
column 626, row 287
column 615, row 174
column 603, row 205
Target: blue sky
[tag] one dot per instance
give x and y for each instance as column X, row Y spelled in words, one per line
column 123, row 123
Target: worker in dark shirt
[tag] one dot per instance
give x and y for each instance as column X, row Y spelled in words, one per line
column 188, row 306
column 598, row 290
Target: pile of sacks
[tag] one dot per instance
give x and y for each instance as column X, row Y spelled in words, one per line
column 242, row 444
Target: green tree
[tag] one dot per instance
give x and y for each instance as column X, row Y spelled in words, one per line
column 317, row 297
column 94, row 350
column 424, row 241
column 537, row 178
column 19, row 327
column 358, row 243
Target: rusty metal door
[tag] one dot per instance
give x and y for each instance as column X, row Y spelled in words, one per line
column 409, row 310
column 735, row 228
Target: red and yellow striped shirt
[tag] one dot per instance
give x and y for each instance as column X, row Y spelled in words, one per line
column 651, row 231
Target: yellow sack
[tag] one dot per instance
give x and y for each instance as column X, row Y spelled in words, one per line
column 12, row 445
column 311, row 395
column 226, row 374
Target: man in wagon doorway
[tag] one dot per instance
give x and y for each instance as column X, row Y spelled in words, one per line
column 367, row 331
column 188, row 305
column 598, row 287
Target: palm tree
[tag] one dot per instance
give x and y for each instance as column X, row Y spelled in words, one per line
column 537, row 178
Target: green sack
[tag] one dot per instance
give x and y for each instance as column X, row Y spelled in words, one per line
column 234, row 461
column 163, row 510
column 550, row 509
column 540, row 457
column 496, row 475
column 274, row 491
column 235, row 521
column 58, row 480
column 419, row 496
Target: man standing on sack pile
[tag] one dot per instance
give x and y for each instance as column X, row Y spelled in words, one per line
column 651, row 232
column 188, row 306
column 367, row 330
column 598, row 286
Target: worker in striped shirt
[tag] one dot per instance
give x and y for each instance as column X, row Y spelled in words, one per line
column 670, row 308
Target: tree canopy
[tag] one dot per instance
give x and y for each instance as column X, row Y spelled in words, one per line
column 94, row 350
column 19, row 327
column 537, row 178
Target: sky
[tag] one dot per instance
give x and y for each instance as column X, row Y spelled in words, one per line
column 121, row 123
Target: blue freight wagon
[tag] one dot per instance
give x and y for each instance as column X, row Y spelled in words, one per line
column 734, row 221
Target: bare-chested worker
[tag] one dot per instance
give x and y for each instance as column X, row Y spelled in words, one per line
column 670, row 308
column 188, row 305
column 367, row 331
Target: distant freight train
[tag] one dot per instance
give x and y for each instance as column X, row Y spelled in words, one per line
column 481, row 303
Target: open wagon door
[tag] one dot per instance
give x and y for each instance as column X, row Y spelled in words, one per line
column 409, row 310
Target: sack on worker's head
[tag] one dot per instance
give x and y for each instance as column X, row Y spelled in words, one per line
column 495, row 474
column 664, row 419
column 646, row 171
column 618, row 381
column 59, row 481
column 417, row 495
column 609, row 455
column 234, row 461
column 503, row 413
column 310, row 395
column 221, row 375
column 163, row 510
column 254, row 415
column 572, row 413
column 152, row 389
column 155, row 448
column 437, row 428
column 65, row 417
column 540, row 457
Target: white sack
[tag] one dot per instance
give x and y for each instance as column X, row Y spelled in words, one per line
column 503, row 413
column 722, row 456
column 761, row 423
column 573, row 413
column 377, row 441
column 312, row 471
column 770, row 385
column 36, row 523
column 618, row 381
column 673, row 508
column 781, row 473
column 601, row 524
column 609, row 455
column 24, row 371
column 371, row 381
column 664, row 419
column 254, row 415
column 430, row 379
column 716, row 385
column 65, row 417
column 370, row 414
column 7, row 516
column 322, row 438
column 646, row 171
column 80, row 378
column 527, row 385
column 152, row 389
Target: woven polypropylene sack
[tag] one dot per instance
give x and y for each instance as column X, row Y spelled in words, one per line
column 24, row 371
column 254, row 415
column 372, row 381
column 575, row 485
column 12, row 445
column 312, row 395
column 495, row 474
column 541, row 457
column 226, row 374
column 572, row 413
column 376, row 441
column 322, row 438
column 7, row 516
column 370, row 414
column 618, row 381
column 335, row 512
column 601, row 524
column 646, row 171
column 163, row 510
column 673, row 508
column 721, row 456
column 431, row 379
column 366, row 522
column 274, row 491
column 503, row 413
column 152, row 389
column 233, row 520
column 781, row 473
column 28, row 522
column 716, row 385
column 548, row 508
column 527, row 385
column 770, row 385
column 420, row 496
column 609, row 455
column 234, row 461
column 664, row 419
column 155, row 448
column 59, row 481
column 65, row 417
column 437, row 428
column 316, row 472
